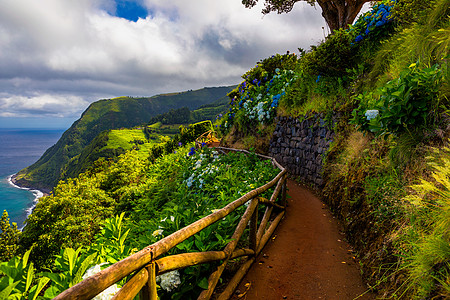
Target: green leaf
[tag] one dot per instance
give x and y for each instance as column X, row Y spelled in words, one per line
column 52, row 292
column 123, row 237
column 82, row 269
column 30, row 277
column 5, row 294
column 203, row 283
column 70, row 256
column 52, row 276
column 25, row 257
column 199, row 244
column 9, row 271
column 36, row 290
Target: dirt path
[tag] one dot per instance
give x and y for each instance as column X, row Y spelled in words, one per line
column 306, row 258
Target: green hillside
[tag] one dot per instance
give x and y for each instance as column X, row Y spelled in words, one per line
column 382, row 86
column 122, row 112
column 185, row 116
column 112, row 143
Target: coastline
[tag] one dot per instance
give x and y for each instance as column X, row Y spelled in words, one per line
column 36, row 192
column 22, row 184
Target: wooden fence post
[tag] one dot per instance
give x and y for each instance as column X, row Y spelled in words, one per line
column 149, row 290
column 253, row 241
column 283, row 193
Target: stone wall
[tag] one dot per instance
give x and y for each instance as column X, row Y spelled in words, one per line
column 300, row 145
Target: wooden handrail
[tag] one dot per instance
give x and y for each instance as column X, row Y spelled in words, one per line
column 179, row 261
column 145, row 265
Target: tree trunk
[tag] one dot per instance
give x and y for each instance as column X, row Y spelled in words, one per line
column 340, row 13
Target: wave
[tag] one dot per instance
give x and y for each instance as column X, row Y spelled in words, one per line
column 37, row 194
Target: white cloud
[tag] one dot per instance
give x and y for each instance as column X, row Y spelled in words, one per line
column 41, row 105
column 57, row 56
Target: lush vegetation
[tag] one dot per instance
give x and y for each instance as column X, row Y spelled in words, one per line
column 185, row 116
column 386, row 173
column 9, row 237
column 122, row 112
column 154, row 200
column 71, row 215
column 109, row 145
column 387, row 77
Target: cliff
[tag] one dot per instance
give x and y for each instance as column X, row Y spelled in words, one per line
column 122, row 112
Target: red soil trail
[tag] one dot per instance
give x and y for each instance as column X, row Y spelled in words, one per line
column 306, row 258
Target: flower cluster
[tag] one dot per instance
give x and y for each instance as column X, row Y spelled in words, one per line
column 169, row 281
column 205, row 165
column 259, row 100
column 109, row 292
column 192, row 151
column 157, row 232
column 371, row 114
column 371, row 21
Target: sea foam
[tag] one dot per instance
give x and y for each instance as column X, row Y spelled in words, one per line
column 37, row 194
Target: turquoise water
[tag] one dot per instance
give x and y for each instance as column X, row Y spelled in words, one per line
column 20, row 148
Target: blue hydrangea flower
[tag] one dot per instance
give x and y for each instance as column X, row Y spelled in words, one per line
column 192, row 152
column 371, row 114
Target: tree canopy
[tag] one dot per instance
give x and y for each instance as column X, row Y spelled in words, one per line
column 337, row 13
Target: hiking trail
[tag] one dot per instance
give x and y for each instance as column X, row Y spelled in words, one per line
column 306, row 258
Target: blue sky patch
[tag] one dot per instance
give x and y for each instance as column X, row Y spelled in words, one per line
column 130, row 10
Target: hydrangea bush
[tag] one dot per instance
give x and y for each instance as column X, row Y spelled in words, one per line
column 208, row 181
column 257, row 102
column 402, row 104
column 169, row 281
column 373, row 23
column 256, row 99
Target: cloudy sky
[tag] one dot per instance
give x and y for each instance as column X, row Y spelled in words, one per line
column 56, row 57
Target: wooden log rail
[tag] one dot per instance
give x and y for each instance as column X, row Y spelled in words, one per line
column 145, row 265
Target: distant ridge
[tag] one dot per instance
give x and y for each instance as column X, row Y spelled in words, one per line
column 106, row 114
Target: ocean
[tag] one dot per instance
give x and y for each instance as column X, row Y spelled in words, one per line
column 20, row 148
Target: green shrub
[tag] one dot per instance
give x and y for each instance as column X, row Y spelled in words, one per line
column 70, row 217
column 407, row 12
column 299, row 93
column 9, row 238
column 256, row 99
column 403, row 104
column 425, row 41
column 18, row 280
column 332, row 57
column 424, row 243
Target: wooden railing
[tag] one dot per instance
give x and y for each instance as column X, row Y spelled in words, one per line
column 145, row 264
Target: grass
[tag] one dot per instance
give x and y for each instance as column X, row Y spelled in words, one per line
column 128, row 139
column 426, row 41
column 425, row 242
column 156, row 125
